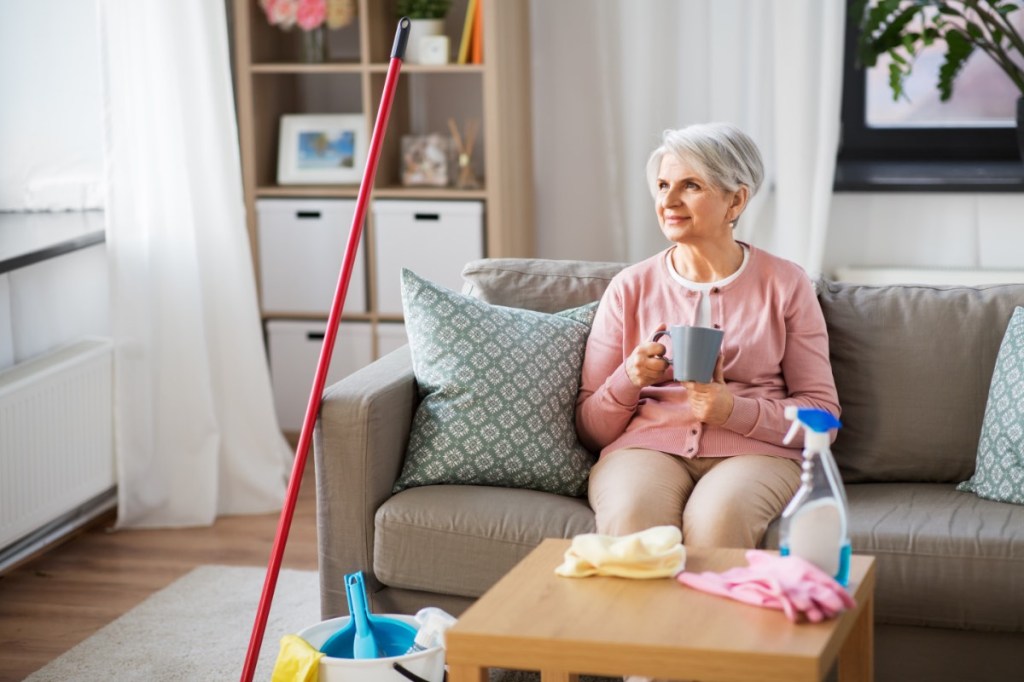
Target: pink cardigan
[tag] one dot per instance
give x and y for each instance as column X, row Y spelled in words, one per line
column 775, row 351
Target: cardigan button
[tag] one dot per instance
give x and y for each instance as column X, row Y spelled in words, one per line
column 717, row 326
column 690, row 450
column 714, row 290
column 694, row 432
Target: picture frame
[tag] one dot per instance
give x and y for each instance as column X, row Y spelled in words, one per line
column 427, row 160
column 321, row 149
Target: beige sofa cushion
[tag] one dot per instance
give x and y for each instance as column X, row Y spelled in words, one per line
column 544, row 285
column 912, row 366
column 460, row 539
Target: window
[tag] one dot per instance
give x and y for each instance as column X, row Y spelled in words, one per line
column 977, row 124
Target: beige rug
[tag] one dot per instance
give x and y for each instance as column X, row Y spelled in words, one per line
column 197, row 629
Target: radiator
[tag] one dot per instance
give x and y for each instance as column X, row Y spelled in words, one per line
column 56, row 436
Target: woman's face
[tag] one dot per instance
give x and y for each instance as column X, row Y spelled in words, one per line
column 689, row 208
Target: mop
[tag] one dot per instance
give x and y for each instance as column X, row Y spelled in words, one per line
column 320, row 377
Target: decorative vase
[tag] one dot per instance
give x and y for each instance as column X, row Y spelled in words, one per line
column 419, row 28
column 1020, row 127
column 314, row 45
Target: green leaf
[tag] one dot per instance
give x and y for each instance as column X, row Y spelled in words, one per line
column 975, row 31
column 892, row 35
column 423, row 9
column 896, row 81
column 1006, row 8
column 958, row 49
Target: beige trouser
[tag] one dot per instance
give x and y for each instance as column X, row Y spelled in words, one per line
column 717, row 502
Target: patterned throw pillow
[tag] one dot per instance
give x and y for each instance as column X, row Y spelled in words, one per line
column 498, row 393
column 999, row 470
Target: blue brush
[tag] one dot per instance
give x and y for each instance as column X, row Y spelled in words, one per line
column 364, row 644
column 366, row 635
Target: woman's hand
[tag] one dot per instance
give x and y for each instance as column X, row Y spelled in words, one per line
column 646, row 365
column 710, row 403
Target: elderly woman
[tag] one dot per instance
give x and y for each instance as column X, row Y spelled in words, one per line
column 707, row 458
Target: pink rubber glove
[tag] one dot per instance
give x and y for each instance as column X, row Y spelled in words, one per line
column 790, row 584
column 808, row 588
column 742, row 584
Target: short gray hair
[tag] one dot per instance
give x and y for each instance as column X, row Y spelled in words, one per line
column 724, row 154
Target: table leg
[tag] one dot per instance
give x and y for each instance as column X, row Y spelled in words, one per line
column 857, row 655
column 558, row 676
column 467, row 673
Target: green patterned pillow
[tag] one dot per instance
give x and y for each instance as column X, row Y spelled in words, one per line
column 999, row 470
column 498, row 392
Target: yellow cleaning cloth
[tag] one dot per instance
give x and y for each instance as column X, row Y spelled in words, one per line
column 297, row 661
column 653, row 553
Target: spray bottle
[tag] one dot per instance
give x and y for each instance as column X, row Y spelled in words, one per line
column 814, row 524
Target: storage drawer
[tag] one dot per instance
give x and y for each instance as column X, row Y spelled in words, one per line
column 434, row 239
column 301, row 244
column 294, row 350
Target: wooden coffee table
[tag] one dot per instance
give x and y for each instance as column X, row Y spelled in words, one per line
column 534, row 620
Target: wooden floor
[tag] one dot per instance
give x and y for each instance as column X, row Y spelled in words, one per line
column 59, row 599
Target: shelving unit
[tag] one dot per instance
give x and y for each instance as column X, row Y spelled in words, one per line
column 270, row 81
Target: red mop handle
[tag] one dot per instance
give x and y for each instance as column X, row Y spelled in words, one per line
column 320, row 378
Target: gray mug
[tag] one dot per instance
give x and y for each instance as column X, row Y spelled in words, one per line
column 694, row 351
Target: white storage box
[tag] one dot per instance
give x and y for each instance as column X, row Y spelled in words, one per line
column 434, row 239
column 301, row 246
column 294, row 351
column 390, row 337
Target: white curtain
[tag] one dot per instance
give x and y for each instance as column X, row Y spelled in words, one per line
column 629, row 70
column 195, row 429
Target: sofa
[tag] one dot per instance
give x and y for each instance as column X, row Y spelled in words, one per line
column 912, row 366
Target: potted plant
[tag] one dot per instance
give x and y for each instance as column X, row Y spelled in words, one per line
column 901, row 28
column 427, row 17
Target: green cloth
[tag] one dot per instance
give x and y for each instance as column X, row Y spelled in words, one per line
column 999, row 470
column 498, row 390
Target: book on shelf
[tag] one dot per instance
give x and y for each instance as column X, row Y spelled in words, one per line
column 467, row 33
column 477, row 41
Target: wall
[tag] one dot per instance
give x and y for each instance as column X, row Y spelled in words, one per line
column 51, row 134
column 54, row 301
column 51, row 174
column 928, row 230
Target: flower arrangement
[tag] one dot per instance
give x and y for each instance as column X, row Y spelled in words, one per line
column 308, row 14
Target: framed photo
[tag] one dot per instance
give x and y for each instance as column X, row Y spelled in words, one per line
column 321, row 149
column 427, row 160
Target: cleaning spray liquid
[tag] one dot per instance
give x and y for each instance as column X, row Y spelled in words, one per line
column 814, row 524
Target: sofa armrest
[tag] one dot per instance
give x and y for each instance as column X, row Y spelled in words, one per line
column 358, row 447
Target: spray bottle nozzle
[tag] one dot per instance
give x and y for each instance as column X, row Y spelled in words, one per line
column 819, row 421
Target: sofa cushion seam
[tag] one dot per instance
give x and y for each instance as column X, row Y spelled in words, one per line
column 931, row 555
column 406, row 524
